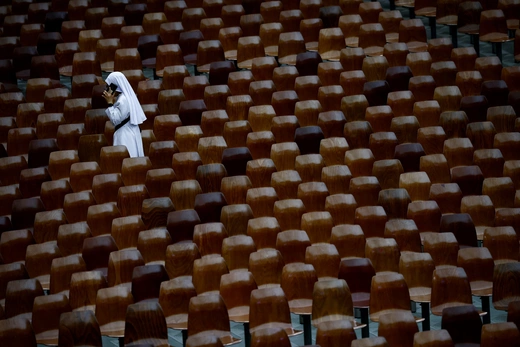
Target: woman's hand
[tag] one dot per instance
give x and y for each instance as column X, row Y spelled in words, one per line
column 109, row 97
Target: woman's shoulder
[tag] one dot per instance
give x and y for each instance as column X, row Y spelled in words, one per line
column 121, row 98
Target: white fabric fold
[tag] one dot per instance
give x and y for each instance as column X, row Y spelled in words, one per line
column 137, row 115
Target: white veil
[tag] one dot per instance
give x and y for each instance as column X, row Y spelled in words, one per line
column 123, row 86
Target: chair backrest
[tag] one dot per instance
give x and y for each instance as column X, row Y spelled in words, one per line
column 145, row 323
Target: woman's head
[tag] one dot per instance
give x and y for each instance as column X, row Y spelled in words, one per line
column 118, row 79
column 137, row 115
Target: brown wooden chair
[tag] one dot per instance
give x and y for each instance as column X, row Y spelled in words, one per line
column 504, row 287
column 493, row 29
column 297, row 282
column 174, row 299
column 463, row 324
column 208, row 315
column 417, row 270
column 46, row 317
column 269, row 307
column 74, row 324
column 450, row 288
column 398, row 328
column 152, row 330
column 385, row 286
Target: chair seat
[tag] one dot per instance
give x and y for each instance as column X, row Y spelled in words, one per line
column 246, row 64
column 66, row 70
column 231, row 55
column 513, row 24
column 496, row 37
column 352, row 42
column 373, row 51
column 374, row 317
column 312, row 46
column 448, row 20
column 49, row 338
column 271, row 51
column 405, row 3
column 239, row 314
column 113, row 329
column 45, row 281
column 416, row 46
column 285, row 326
column 361, row 299
column 301, row 306
column 177, row 321
column 224, row 336
column 437, row 310
column 427, row 12
column 481, row 288
column 470, row 29
column 420, row 294
column 392, row 37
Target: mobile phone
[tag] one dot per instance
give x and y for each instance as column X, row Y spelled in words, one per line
column 111, row 88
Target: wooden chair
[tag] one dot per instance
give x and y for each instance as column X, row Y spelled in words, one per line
column 150, row 330
column 462, row 323
column 417, row 269
column 332, row 301
column 71, row 326
column 443, row 247
column 501, row 243
column 398, row 328
column 111, row 306
column 174, row 299
column 268, row 308
column 303, row 277
column 19, row 297
column 235, row 289
column 450, row 288
column 384, row 286
column 499, row 333
column 493, row 28
column 333, row 333
column 358, row 274
column 180, row 258
column 208, row 315
column 437, row 337
column 478, row 263
column 146, row 282
column 46, row 317
column 504, row 287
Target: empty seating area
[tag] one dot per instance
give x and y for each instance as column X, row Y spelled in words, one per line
column 350, row 164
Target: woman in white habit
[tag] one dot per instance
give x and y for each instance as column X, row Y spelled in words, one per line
column 126, row 113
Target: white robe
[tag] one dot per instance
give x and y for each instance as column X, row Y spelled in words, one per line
column 128, row 135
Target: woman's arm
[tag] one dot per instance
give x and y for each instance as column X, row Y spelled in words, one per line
column 119, row 111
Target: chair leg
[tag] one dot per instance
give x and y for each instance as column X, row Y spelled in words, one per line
column 433, row 26
column 486, row 308
column 184, row 337
column 425, row 310
column 476, row 44
column 247, row 335
column 498, row 48
column 365, row 332
column 454, row 38
column 307, row 329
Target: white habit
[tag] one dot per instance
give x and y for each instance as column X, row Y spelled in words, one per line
column 126, row 106
column 128, row 135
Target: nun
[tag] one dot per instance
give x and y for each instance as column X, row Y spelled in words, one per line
column 125, row 112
